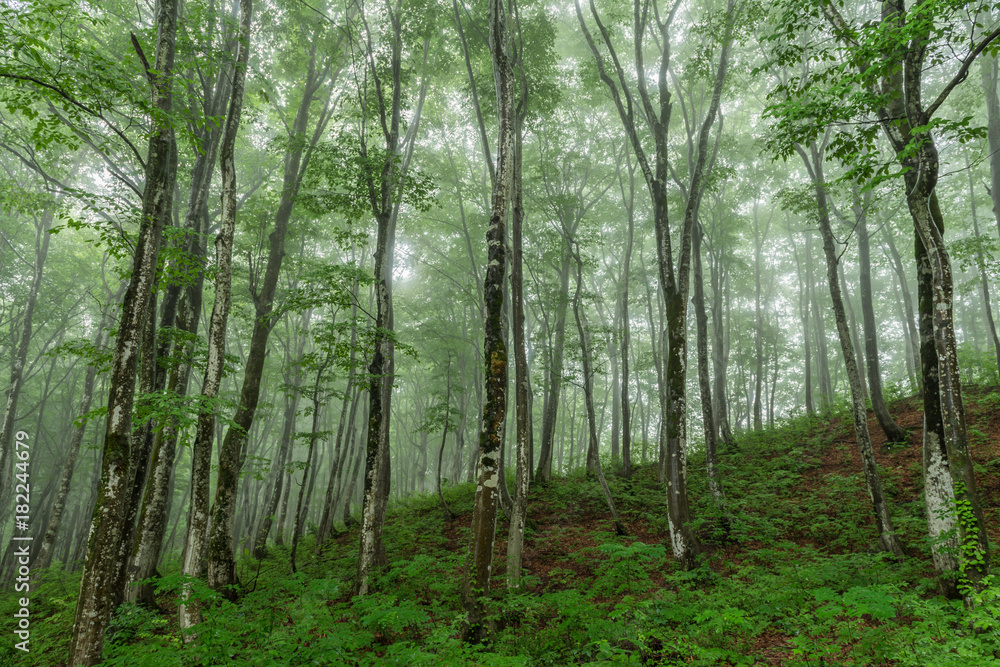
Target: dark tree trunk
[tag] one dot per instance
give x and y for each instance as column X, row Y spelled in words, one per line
column 893, row 433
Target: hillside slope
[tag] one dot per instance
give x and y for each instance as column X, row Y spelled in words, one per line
column 795, row 580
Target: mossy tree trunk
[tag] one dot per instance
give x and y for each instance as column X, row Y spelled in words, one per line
column 476, row 580
column 97, row 595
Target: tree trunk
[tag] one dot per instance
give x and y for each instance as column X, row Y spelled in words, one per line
column 893, row 433
column 385, row 207
column 522, row 386
column 201, row 452
column 555, row 373
column 759, row 331
column 720, row 407
column 221, row 562
column 704, row 384
column 340, row 450
column 912, row 335
column 279, row 470
column 44, row 556
column 152, row 521
column 823, row 355
column 308, row 470
column 883, row 520
column 476, row 580
column 981, row 264
column 804, row 317
column 94, row 603
column 20, row 356
column 593, row 453
column 988, row 67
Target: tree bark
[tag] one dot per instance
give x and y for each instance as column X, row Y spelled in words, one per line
column 476, row 581
column 201, row 452
column 94, row 604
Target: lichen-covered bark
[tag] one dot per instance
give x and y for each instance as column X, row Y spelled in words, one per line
column 522, row 383
column 100, row 572
column 476, row 582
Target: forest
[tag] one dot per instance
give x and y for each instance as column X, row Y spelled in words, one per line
column 426, row 332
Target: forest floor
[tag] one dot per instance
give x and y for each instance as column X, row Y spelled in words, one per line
column 797, row 578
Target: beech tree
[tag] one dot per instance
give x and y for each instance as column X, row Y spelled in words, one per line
column 99, row 588
column 884, row 52
column 654, row 111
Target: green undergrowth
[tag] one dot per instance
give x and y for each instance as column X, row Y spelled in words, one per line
column 789, row 574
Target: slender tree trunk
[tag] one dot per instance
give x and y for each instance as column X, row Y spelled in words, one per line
column 97, row 594
column 988, row 67
column 219, row 554
column 759, row 331
column 883, row 520
column 20, row 356
column 308, row 470
column 704, row 383
column 522, row 385
column 340, row 450
column 153, row 515
column 44, row 557
column 555, row 373
column 893, row 433
column 626, row 328
column 853, row 328
column 981, row 263
column 201, row 453
column 912, row 335
column 804, row 317
column 279, row 470
column 823, row 355
column 720, row 408
column 593, row 454
column 385, row 207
